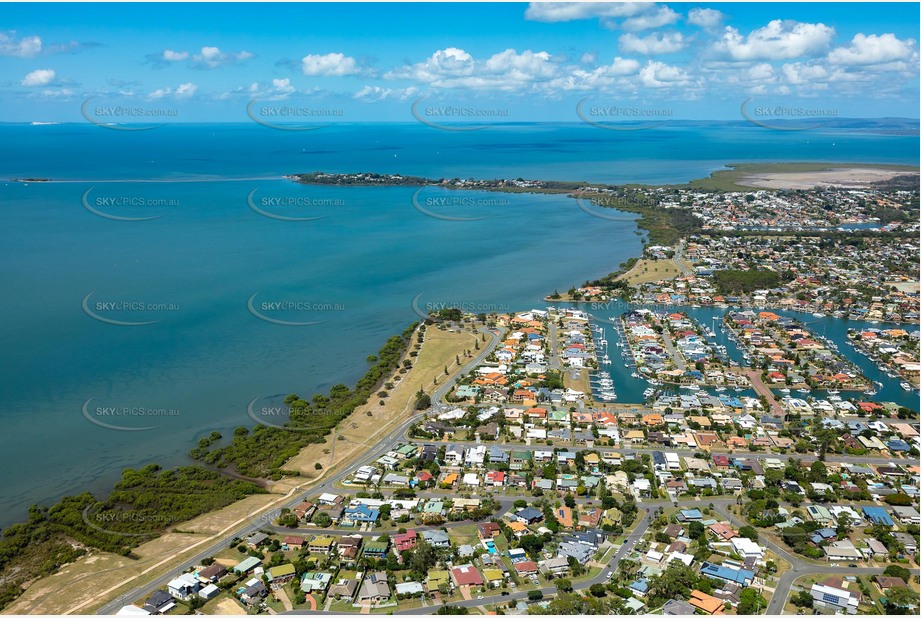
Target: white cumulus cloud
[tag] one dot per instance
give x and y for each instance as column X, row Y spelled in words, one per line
column 329, row 65
column 377, row 93
column 656, row 43
column 213, row 57
column 660, row 75
column 455, row 68
column 39, row 77
column 571, row 11
column 186, row 90
column 174, row 56
column 526, row 66
column 25, row 47
column 444, row 63
column 208, row 57
column 660, row 16
column 874, row 49
column 281, row 85
column 705, row 18
column 599, row 78
column 779, row 40
column 182, row 91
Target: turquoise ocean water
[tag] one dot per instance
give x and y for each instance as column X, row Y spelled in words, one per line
column 194, row 266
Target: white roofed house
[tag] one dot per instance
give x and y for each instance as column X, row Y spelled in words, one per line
column 746, row 547
column 536, row 433
column 209, row 592
column 672, row 462
column 475, row 456
column 329, row 499
column 471, row 479
column 835, row 599
column 363, row 473
column 642, row 488
column 184, row 587
column 410, row 589
column 454, row 455
column 907, row 514
column 392, row 478
column 842, row 550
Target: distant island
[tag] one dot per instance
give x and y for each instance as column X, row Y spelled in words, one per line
column 370, row 179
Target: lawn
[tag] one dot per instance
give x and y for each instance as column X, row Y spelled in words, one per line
column 645, row 271
column 465, row 535
column 590, row 574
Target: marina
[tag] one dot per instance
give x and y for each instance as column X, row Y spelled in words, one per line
column 832, row 329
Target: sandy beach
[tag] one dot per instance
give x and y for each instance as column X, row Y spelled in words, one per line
column 845, row 177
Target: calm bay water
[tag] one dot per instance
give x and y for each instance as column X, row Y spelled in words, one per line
column 357, row 270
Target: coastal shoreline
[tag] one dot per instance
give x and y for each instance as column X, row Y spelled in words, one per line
column 573, row 189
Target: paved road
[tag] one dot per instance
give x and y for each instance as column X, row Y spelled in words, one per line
column 554, row 363
column 384, row 445
column 495, row 337
column 398, row 434
column 679, row 259
column 754, row 376
column 143, row 591
column 760, row 455
column 670, row 347
column 506, row 505
column 798, row 567
column 602, row 577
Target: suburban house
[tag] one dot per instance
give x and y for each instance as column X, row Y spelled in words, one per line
column 374, row 588
column 466, row 575
column 183, row 587
column 343, row 589
column 281, row 574
column 405, row 541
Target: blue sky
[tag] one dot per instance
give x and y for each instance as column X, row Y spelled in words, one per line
column 369, row 62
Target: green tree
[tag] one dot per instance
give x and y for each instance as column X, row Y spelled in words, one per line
column 424, row 557
column 751, row 602
column 450, row 610
column 749, row 532
column 802, row 599
column 900, row 600
column 676, row 582
column 894, row 570
column 423, row 401
column 818, row 472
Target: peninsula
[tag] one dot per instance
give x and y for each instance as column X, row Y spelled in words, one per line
column 411, row 506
